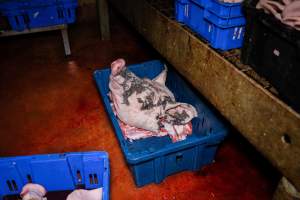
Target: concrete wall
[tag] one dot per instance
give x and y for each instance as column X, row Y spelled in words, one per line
column 87, row 11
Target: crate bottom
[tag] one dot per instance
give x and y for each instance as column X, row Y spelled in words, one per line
column 227, row 38
column 156, row 170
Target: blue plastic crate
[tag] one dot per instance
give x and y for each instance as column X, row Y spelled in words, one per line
column 225, row 33
column 24, row 14
column 56, row 172
column 45, row 16
column 181, row 10
column 224, row 22
column 227, row 38
column 225, row 10
column 152, row 159
column 50, row 15
column 197, row 22
column 221, row 33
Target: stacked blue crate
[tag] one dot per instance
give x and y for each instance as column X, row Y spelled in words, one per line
column 24, row 14
column 221, row 24
column 181, row 10
column 227, row 24
column 196, row 20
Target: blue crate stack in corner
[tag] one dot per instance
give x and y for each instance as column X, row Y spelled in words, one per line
column 29, row 14
column 56, row 172
column 222, row 25
column 152, row 159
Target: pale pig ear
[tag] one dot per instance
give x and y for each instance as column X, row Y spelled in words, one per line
column 161, row 78
column 117, row 66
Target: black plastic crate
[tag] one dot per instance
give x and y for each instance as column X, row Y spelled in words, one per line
column 273, row 50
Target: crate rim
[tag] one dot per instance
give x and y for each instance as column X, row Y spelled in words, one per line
column 103, row 154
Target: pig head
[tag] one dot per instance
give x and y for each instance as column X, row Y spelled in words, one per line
column 145, row 103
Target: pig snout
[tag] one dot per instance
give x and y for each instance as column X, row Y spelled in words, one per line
column 33, row 192
column 117, row 66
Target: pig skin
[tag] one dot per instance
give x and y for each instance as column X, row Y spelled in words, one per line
column 32, row 191
column 148, row 104
column 287, row 11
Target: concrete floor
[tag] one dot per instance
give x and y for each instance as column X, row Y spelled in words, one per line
column 50, row 104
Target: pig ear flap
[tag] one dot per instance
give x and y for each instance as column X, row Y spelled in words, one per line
column 117, row 66
column 186, row 110
column 161, row 78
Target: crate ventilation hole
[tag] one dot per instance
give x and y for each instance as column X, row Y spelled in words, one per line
column 79, row 177
column 12, row 186
column 93, row 179
column 29, row 178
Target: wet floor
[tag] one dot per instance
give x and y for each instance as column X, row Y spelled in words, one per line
column 49, row 104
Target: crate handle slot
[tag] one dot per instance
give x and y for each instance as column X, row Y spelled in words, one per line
column 9, row 185
column 96, row 179
column 60, row 13
column 179, row 157
column 203, row 121
column 17, row 20
column 91, row 179
column 79, row 177
column 15, row 185
column 29, row 178
column 26, row 18
column 69, row 12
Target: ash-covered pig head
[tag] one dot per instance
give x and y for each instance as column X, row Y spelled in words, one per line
column 145, row 103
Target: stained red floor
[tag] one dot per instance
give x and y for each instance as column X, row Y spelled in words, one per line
column 50, row 104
